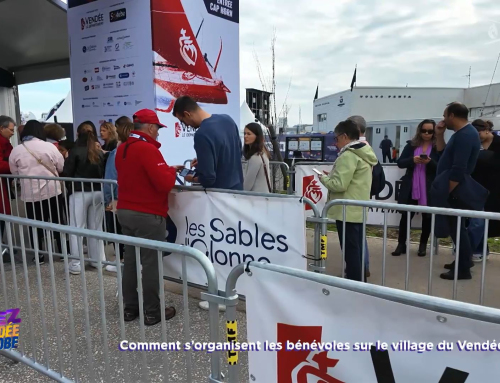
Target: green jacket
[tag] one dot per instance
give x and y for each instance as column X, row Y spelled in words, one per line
column 351, row 178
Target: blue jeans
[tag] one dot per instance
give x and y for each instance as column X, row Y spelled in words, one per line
column 475, row 230
column 367, row 256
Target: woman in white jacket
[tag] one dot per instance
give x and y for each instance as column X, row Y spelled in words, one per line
column 36, row 157
column 256, row 169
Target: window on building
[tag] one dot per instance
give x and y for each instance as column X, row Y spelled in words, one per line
column 322, row 117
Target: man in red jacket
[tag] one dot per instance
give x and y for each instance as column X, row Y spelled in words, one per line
column 145, row 181
column 7, row 125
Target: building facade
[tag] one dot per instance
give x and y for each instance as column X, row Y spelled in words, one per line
column 396, row 112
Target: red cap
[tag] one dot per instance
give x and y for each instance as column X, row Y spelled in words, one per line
column 147, row 116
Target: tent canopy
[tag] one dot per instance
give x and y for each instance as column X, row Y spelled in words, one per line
column 34, row 40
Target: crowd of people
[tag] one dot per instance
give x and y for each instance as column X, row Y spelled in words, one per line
column 458, row 175
column 461, row 174
column 127, row 152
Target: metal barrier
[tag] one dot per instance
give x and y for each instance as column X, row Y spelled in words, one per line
column 59, row 326
column 460, row 214
column 439, row 305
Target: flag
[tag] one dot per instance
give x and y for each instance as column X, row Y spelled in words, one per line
column 353, row 79
column 316, row 96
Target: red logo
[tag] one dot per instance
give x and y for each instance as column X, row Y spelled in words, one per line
column 311, row 189
column 177, row 129
column 299, row 366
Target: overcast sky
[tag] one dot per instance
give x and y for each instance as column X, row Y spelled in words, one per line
column 421, row 43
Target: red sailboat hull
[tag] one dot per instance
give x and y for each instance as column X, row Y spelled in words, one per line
column 181, row 69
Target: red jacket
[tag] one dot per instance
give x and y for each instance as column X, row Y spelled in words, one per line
column 144, row 179
column 5, row 149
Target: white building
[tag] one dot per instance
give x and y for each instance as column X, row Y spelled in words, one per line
column 396, row 112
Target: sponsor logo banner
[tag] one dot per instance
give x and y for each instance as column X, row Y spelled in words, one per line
column 234, row 229
column 92, row 21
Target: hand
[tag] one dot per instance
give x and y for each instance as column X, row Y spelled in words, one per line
column 418, row 160
column 194, row 163
column 426, row 161
column 178, row 168
column 189, row 178
column 440, row 128
column 109, row 208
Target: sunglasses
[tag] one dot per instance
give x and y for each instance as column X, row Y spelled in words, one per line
column 425, row 131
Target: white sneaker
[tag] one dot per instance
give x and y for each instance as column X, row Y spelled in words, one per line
column 74, row 268
column 204, row 305
column 111, row 268
column 479, row 257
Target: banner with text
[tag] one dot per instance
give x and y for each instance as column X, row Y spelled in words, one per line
column 196, row 54
column 307, row 184
column 232, row 229
column 110, row 59
column 310, row 332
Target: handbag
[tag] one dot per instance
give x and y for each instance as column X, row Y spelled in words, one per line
column 266, row 173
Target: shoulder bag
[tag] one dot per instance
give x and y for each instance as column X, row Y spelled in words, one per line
column 266, row 173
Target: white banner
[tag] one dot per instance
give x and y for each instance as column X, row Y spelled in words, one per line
column 282, row 309
column 110, row 59
column 307, row 184
column 196, row 54
column 232, row 229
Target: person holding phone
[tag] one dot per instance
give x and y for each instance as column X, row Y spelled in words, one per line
column 420, row 159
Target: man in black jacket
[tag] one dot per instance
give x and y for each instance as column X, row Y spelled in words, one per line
column 453, row 184
column 386, row 146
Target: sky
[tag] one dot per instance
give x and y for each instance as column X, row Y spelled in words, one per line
column 428, row 43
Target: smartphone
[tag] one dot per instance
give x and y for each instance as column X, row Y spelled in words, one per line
column 424, row 156
column 317, row 172
column 185, row 172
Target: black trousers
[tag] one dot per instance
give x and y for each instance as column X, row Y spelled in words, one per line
column 146, row 226
column 387, row 155
column 353, row 248
column 115, row 229
column 403, row 225
column 46, row 211
column 465, row 251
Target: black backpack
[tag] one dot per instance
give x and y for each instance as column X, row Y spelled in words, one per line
column 378, row 180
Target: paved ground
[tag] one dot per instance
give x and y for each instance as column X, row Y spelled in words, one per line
column 131, row 367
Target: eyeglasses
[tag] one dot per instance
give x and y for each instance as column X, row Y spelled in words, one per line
column 425, row 131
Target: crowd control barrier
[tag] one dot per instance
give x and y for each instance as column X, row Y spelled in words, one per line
column 303, row 325
column 385, row 207
column 72, row 328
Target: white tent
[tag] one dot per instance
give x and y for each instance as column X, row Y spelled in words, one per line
column 64, row 113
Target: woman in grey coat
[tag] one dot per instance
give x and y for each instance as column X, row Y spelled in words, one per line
column 256, row 169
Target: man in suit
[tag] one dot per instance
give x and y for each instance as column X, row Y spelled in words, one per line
column 457, row 162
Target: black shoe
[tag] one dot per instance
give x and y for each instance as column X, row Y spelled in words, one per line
column 41, row 259
column 451, row 266
column 422, row 250
column 152, row 319
column 130, row 315
column 6, row 256
column 450, row 275
column 401, row 249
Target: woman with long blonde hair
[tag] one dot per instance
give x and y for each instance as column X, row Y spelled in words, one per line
column 109, row 136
